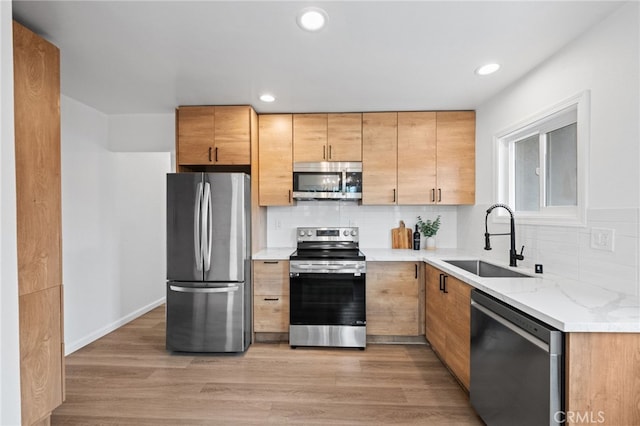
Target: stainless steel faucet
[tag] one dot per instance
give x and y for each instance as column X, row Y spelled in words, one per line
column 513, row 255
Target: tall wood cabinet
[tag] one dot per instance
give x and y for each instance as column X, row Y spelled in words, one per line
column 39, row 223
column 213, row 135
column 275, row 156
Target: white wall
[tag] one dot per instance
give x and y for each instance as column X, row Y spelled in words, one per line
column 604, row 61
column 9, row 347
column 142, row 132
column 375, row 222
column 113, row 217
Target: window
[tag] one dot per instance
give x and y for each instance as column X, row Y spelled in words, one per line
column 542, row 165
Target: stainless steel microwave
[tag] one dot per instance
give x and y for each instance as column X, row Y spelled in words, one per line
column 327, row 181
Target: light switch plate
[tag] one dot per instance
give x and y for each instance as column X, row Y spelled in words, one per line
column 602, row 238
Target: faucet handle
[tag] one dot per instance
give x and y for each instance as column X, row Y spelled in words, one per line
column 520, row 256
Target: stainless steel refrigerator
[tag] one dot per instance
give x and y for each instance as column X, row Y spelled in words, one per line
column 208, row 262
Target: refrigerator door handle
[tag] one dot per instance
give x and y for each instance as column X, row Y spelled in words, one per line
column 230, row 289
column 207, row 227
column 197, row 235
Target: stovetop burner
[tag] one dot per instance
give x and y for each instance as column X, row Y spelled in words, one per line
column 339, row 243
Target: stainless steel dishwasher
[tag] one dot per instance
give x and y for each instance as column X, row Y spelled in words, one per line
column 516, row 366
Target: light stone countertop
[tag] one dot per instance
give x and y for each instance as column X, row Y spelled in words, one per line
column 568, row 305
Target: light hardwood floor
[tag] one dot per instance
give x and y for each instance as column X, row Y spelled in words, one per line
column 128, row 378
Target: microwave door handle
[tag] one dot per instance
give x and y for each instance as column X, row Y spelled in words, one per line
column 197, row 235
column 344, row 181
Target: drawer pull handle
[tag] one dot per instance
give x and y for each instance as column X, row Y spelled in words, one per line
column 270, row 262
column 271, row 299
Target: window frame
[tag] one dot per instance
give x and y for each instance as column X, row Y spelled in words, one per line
column 557, row 116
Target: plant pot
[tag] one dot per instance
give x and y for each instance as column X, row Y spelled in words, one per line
column 430, row 243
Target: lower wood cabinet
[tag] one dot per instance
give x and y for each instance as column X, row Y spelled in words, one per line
column 448, row 321
column 393, row 302
column 602, row 378
column 271, row 296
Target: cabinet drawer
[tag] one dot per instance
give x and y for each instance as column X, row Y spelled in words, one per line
column 270, row 277
column 271, row 314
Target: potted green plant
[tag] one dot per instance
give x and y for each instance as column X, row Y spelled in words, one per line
column 429, row 228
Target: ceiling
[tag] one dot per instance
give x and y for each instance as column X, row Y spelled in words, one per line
column 151, row 56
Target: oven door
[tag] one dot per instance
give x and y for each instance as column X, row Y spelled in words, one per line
column 327, row 298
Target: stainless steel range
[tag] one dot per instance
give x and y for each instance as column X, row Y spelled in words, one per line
column 327, row 289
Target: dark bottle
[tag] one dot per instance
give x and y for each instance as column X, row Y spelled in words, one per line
column 416, row 239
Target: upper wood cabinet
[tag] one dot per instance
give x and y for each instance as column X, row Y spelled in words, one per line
column 213, row 135
column 419, row 157
column 275, row 156
column 379, row 157
column 310, row 137
column 456, row 157
column 344, row 135
column 416, row 157
column 327, row 137
column 39, row 224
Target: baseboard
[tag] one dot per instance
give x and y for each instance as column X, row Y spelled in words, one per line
column 80, row 343
column 396, row 340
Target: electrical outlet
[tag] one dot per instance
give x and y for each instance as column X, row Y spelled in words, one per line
column 602, row 238
column 278, row 224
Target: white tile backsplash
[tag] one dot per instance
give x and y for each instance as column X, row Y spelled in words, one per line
column 375, row 222
column 563, row 250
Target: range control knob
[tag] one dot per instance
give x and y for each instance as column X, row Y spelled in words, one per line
column 309, row 233
column 345, row 232
column 354, row 232
column 301, row 233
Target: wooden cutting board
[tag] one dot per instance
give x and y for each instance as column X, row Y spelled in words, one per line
column 401, row 238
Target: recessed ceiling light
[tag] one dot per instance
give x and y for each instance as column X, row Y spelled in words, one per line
column 267, row 98
column 312, row 18
column 487, row 69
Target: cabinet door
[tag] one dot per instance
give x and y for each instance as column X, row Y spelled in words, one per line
column 344, row 137
column 456, row 154
column 232, row 135
column 435, row 312
column 379, row 157
column 459, row 329
column 275, row 159
column 196, row 134
column 310, row 137
column 416, row 157
column 392, row 298
column 271, row 314
column 41, row 353
column 270, row 277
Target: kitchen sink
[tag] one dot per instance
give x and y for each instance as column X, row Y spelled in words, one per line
column 484, row 269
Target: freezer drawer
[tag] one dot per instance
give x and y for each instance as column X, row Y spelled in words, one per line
column 206, row 317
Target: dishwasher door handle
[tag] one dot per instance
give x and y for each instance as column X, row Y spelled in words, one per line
column 539, row 343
